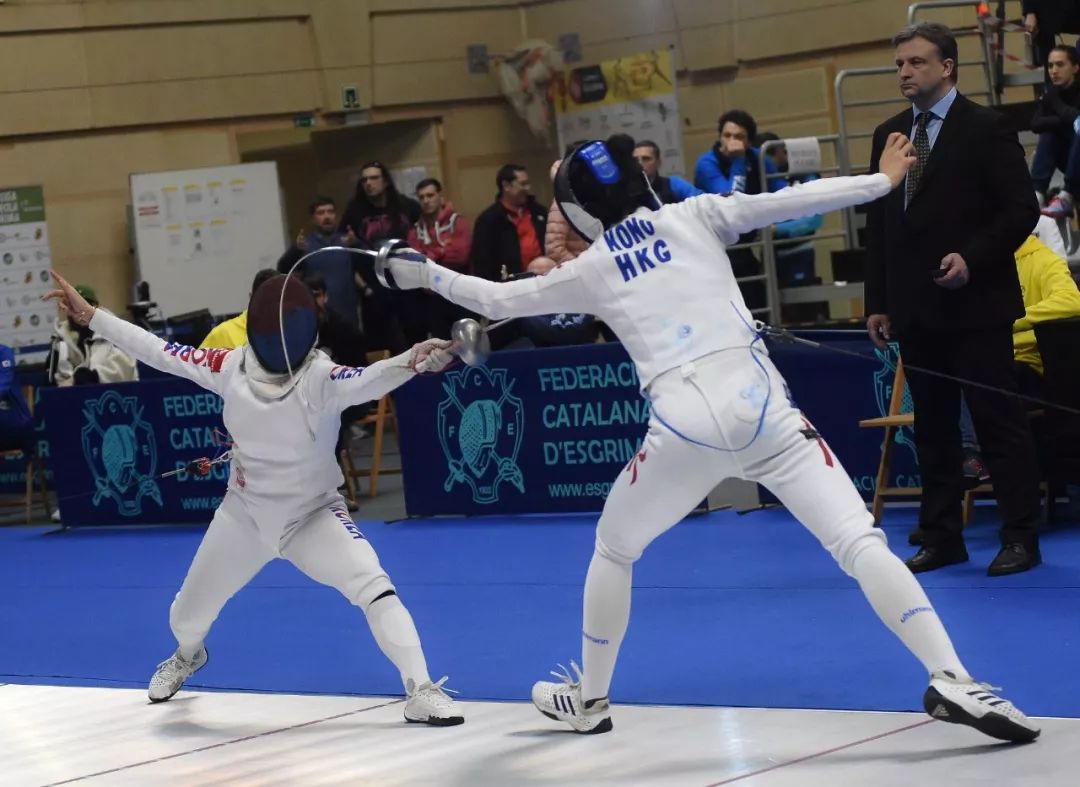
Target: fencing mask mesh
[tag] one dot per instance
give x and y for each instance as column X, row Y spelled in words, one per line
column 281, row 351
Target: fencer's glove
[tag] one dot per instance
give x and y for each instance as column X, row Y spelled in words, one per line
column 431, row 356
column 408, row 268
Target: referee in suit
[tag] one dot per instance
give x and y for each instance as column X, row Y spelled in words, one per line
column 941, row 279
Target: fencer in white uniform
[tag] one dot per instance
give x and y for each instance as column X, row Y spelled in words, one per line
column 282, row 408
column 661, row 280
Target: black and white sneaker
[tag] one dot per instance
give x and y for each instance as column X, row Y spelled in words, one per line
column 975, row 704
column 562, row 702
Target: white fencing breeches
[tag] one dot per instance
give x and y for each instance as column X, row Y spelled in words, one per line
column 725, row 416
column 324, row 544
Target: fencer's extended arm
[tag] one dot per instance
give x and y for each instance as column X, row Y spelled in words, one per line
column 740, row 213
column 203, row 367
column 562, row 290
column 344, row 386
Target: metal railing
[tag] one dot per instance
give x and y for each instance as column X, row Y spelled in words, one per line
column 768, row 243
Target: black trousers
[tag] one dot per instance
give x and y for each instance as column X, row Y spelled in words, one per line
column 1008, row 449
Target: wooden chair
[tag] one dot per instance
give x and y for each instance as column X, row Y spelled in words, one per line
column 34, row 467
column 893, row 421
column 383, row 414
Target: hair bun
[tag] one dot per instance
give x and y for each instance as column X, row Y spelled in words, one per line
column 621, row 146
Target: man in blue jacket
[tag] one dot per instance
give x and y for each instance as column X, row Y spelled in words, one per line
column 733, row 166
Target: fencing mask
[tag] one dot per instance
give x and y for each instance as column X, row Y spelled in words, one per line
column 282, row 324
column 603, row 175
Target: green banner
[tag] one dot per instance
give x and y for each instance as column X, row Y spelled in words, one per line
column 22, row 205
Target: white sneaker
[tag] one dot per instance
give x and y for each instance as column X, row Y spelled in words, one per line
column 428, row 703
column 975, row 704
column 172, row 673
column 562, row 702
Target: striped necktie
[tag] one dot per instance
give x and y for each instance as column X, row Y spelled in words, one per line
column 922, row 153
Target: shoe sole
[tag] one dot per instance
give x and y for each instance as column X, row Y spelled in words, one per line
column 993, row 724
column 166, row 699
column 991, row 572
column 602, row 727
column 434, row 721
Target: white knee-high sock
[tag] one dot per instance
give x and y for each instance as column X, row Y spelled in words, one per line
column 901, row 603
column 607, row 613
column 394, row 630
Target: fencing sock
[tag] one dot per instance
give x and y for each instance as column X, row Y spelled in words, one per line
column 394, row 630
column 607, row 613
column 900, row 602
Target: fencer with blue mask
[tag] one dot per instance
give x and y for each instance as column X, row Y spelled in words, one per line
column 283, row 400
column 660, row 278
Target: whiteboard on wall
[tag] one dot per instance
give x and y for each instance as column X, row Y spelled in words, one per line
column 201, row 235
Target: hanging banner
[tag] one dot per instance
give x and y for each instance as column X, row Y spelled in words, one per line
column 25, row 261
column 632, row 95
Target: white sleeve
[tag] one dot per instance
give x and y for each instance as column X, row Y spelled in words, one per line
column 344, row 386
column 200, row 366
column 562, row 290
column 732, row 216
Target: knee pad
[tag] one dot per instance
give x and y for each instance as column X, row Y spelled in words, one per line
column 847, row 551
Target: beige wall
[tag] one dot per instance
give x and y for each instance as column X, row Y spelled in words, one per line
column 91, row 91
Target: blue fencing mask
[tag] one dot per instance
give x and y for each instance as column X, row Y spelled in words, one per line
column 282, row 324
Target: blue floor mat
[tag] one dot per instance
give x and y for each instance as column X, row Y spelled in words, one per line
column 728, row 610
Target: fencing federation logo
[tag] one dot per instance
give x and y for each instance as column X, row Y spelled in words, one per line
column 883, row 391
column 120, row 451
column 480, row 427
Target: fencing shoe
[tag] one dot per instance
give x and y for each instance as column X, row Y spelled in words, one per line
column 428, row 703
column 172, row 673
column 562, row 702
column 975, row 704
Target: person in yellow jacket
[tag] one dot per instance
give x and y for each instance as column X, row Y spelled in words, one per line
column 1050, row 293
column 230, row 334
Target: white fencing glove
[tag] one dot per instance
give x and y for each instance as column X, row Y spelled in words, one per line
column 431, row 356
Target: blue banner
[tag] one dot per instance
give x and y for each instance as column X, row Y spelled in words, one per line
column 109, row 444
column 541, row 431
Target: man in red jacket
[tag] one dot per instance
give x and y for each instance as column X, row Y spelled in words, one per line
column 445, row 236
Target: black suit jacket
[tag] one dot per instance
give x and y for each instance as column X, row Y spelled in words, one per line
column 975, row 199
column 495, row 241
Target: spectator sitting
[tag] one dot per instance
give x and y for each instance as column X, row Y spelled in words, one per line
column 794, row 262
column 561, row 243
column 338, row 268
column 16, row 423
column 378, row 212
column 442, row 235
column 231, row 334
column 1055, row 122
column 79, row 357
column 733, row 166
column 338, row 338
column 511, row 230
column 668, row 188
column 1050, row 293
